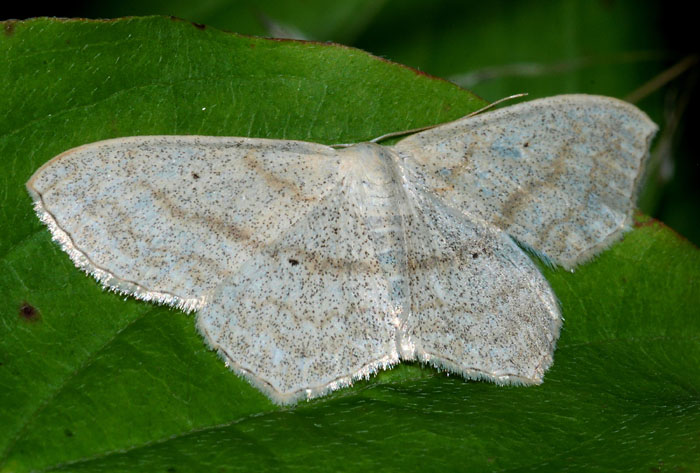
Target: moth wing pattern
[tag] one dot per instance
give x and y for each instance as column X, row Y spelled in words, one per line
column 559, row 174
column 167, row 218
column 478, row 305
column 311, row 313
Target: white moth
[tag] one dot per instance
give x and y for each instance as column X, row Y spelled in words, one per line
column 310, row 267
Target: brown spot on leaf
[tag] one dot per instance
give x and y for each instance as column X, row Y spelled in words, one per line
column 9, row 27
column 641, row 221
column 196, row 25
column 28, row 312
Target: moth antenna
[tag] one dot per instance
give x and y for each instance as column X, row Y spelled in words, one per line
column 491, row 105
column 423, row 128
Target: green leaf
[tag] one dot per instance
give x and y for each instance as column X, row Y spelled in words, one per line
column 320, row 20
column 91, row 381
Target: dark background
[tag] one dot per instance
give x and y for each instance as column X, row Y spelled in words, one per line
column 644, row 52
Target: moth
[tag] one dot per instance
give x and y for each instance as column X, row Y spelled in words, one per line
column 310, row 267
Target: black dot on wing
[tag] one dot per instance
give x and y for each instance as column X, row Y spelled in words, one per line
column 195, row 175
column 293, row 261
column 475, row 255
column 526, row 144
